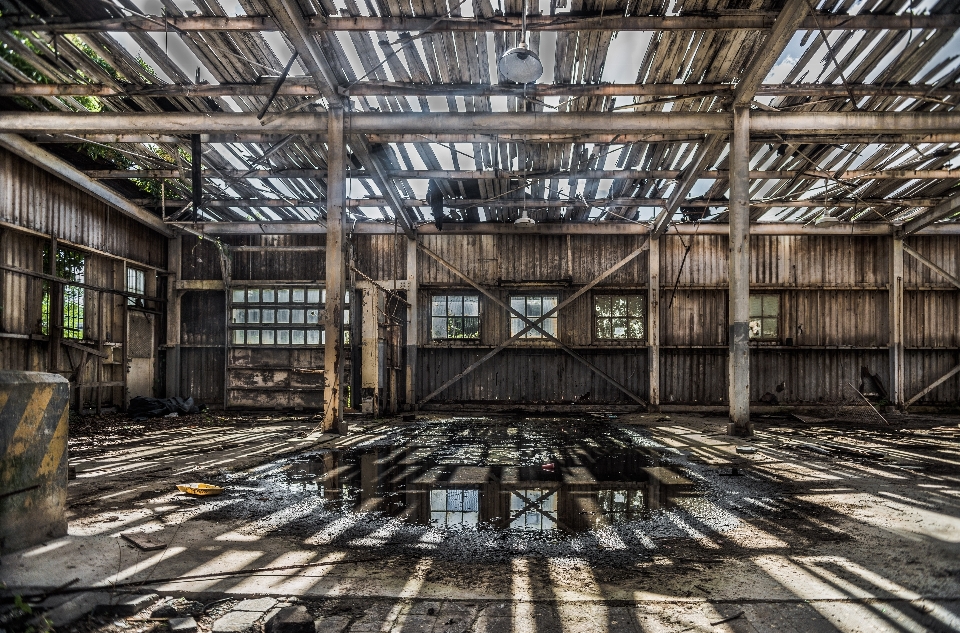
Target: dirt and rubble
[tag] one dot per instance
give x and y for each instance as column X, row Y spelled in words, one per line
column 845, row 527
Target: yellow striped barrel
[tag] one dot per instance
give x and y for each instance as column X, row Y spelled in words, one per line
column 33, row 445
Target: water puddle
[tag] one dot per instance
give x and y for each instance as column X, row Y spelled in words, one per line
column 531, row 474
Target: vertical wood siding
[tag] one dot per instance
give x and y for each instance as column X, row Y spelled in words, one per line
column 35, row 199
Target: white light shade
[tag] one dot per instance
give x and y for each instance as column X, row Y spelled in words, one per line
column 520, row 65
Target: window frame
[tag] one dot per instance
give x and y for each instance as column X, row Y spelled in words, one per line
column 535, row 334
column 253, row 301
column 760, row 338
column 447, row 317
column 140, row 275
column 642, row 295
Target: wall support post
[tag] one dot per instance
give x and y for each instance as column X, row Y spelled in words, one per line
column 336, row 275
column 896, row 321
column 412, row 325
column 653, row 322
column 738, row 374
column 174, row 300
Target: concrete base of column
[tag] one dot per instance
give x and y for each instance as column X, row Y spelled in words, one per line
column 740, row 430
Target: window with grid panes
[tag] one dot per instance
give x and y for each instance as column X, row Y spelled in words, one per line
column 764, row 317
column 455, row 317
column 533, row 307
column 455, row 507
column 619, row 506
column 136, row 279
column 70, row 265
column 620, row 317
column 279, row 316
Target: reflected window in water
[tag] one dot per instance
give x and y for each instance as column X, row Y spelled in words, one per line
column 533, row 509
column 455, row 507
column 618, row 506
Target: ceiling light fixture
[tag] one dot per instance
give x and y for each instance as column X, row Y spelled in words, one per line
column 520, row 64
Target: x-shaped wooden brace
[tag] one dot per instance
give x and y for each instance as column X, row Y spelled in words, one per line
column 531, row 324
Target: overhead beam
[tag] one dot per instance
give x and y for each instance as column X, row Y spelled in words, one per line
column 59, row 167
column 291, row 19
column 599, row 203
column 786, row 24
column 292, row 87
column 942, row 211
column 607, row 137
column 429, row 124
column 563, row 228
column 725, row 21
column 476, row 174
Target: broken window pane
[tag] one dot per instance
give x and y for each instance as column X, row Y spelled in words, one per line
column 620, row 316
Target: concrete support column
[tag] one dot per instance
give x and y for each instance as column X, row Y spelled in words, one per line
column 653, row 322
column 896, row 321
column 336, row 275
column 738, row 374
column 174, row 300
column 371, row 362
column 412, row 325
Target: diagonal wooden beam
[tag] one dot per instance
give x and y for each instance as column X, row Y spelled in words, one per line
column 936, row 383
column 945, row 209
column 929, row 264
column 531, row 324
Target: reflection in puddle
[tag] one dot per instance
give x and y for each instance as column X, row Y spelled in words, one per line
column 532, row 475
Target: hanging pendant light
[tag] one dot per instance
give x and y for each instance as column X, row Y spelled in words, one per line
column 520, row 64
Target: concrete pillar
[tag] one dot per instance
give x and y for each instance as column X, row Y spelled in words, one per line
column 738, row 374
column 33, row 458
column 896, row 321
column 653, row 322
column 412, row 325
column 174, row 300
column 336, row 275
column 371, row 360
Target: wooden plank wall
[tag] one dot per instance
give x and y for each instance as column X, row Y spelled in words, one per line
column 834, row 308
column 257, row 376
column 35, row 206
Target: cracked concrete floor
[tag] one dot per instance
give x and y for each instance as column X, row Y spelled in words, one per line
column 827, row 528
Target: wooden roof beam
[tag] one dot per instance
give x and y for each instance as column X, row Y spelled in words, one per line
column 521, row 125
column 294, row 86
column 789, row 19
column 944, row 210
column 453, row 174
column 723, row 21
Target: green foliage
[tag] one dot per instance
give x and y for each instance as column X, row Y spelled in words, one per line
column 70, row 265
column 92, row 54
column 9, row 55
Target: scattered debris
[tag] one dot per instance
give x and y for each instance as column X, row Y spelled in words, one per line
column 182, row 625
column 126, row 605
column 199, row 489
column 290, row 620
column 141, row 408
column 143, row 541
column 747, row 450
column 730, row 619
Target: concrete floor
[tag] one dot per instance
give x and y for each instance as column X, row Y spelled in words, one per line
column 828, row 527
